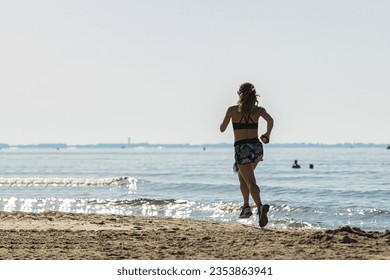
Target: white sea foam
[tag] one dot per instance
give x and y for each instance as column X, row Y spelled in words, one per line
column 73, row 182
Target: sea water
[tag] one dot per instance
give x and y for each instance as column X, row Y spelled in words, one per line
column 347, row 186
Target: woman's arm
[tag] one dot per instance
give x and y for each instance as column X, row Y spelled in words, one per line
column 270, row 123
column 226, row 120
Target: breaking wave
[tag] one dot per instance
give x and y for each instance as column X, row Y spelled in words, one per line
column 71, row 182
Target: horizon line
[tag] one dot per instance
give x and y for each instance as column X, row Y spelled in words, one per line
column 5, row 145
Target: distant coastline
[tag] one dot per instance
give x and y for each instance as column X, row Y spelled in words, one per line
column 202, row 146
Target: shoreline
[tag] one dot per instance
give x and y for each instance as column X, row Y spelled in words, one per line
column 70, row 236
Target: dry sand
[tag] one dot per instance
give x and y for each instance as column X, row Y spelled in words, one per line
column 65, row 236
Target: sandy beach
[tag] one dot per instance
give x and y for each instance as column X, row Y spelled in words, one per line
column 66, row 236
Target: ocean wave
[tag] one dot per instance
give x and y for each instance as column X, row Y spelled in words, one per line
column 292, row 223
column 137, row 202
column 368, row 213
column 280, row 215
column 288, row 208
column 71, row 182
column 137, row 207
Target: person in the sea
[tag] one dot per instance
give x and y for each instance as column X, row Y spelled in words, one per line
column 248, row 148
column 296, row 165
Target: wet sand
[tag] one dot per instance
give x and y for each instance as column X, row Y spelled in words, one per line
column 66, row 236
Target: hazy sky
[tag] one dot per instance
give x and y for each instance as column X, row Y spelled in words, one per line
column 165, row 71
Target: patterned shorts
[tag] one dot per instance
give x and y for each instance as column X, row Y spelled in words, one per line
column 248, row 151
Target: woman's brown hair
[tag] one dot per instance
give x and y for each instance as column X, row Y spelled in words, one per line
column 247, row 98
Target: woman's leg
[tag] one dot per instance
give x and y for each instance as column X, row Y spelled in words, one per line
column 244, row 187
column 246, row 171
column 246, row 210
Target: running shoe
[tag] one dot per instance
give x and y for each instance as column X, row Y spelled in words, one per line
column 246, row 212
column 263, row 219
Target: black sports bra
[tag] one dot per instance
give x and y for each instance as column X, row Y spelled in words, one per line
column 246, row 124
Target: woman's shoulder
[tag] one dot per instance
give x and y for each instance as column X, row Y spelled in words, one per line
column 259, row 110
column 233, row 108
